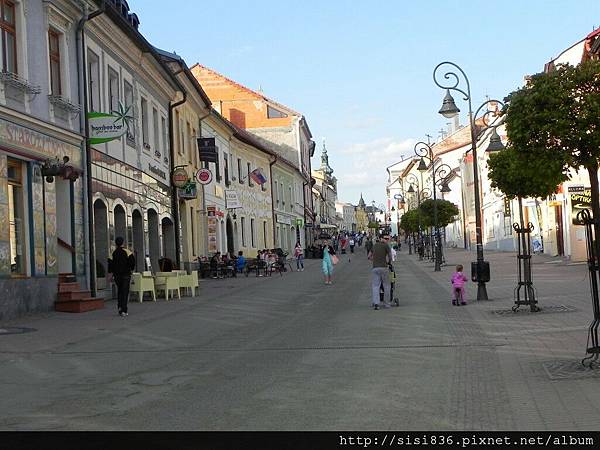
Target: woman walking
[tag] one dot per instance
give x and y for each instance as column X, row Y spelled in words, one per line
column 299, row 254
column 328, row 261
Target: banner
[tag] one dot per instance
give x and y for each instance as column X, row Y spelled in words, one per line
column 231, row 200
column 580, row 200
column 105, row 127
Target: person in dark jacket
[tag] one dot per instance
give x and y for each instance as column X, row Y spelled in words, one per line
column 120, row 266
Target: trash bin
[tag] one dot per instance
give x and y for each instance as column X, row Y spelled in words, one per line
column 480, row 271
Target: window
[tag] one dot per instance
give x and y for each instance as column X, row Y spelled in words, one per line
column 93, row 64
column 226, row 168
column 157, row 147
column 240, row 178
column 128, row 97
column 182, row 138
column 178, row 136
column 273, row 113
column 113, row 89
column 252, row 233
column 8, row 36
column 16, row 222
column 54, row 53
column 193, row 147
column 290, row 199
column 144, row 118
column 217, row 167
column 165, row 137
column 249, row 179
column 275, row 192
column 243, row 226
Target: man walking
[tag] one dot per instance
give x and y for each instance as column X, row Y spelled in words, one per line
column 121, row 265
column 381, row 256
column 369, row 246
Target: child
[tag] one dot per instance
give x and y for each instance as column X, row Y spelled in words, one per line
column 458, row 286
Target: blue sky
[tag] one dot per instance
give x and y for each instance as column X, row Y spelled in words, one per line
column 361, row 72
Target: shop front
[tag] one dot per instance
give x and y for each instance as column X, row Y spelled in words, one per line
column 134, row 205
column 41, row 214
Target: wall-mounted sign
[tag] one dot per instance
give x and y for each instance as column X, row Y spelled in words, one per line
column 204, row 176
column 188, row 192
column 105, row 127
column 157, row 171
column 211, row 211
column 207, row 150
column 284, row 220
column 231, row 200
column 179, row 177
column 579, row 201
column 299, row 222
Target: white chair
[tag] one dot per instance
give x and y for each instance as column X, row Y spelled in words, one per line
column 140, row 284
column 189, row 281
column 167, row 281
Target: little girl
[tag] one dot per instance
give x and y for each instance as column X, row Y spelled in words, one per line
column 458, row 286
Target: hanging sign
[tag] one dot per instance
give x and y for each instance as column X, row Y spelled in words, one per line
column 106, row 127
column 180, row 177
column 204, row 176
column 231, row 200
column 188, row 192
column 207, row 150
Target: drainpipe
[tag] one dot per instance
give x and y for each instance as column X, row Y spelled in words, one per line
column 174, row 198
column 204, row 216
column 83, row 124
column 272, row 161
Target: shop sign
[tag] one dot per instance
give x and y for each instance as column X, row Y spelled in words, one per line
column 204, row 176
column 211, row 211
column 103, row 127
column 299, row 223
column 158, row 172
column 284, row 220
column 179, row 177
column 18, row 137
column 212, row 232
column 231, row 200
column 580, row 201
column 188, row 192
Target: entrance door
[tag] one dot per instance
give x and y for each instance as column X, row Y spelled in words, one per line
column 560, row 240
column 64, row 228
column 230, row 239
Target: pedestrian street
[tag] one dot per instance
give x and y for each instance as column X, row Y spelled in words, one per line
column 291, row 353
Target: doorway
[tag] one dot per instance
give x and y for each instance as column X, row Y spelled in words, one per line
column 101, row 242
column 560, row 239
column 230, row 238
column 153, row 239
column 168, row 233
column 137, row 246
column 64, row 225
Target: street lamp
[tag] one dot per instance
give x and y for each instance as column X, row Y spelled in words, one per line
column 420, row 194
column 449, row 110
column 425, row 152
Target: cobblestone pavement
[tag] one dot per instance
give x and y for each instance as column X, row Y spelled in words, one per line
column 290, row 353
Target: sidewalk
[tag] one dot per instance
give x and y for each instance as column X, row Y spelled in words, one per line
column 539, row 353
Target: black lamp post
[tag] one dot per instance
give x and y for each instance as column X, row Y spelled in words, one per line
column 480, row 271
column 425, row 152
column 420, row 194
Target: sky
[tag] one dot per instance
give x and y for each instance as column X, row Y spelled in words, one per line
column 361, row 72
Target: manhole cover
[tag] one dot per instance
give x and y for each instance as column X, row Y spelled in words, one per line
column 567, row 370
column 526, row 310
column 16, row 330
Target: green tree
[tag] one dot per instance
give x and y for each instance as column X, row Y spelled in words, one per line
column 410, row 221
column 555, row 116
column 447, row 212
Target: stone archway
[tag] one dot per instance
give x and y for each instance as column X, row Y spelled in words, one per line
column 137, row 246
column 101, row 242
column 168, row 234
column 153, row 249
column 120, row 221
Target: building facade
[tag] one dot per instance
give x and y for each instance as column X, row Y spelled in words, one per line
column 42, row 229
column 324, row 195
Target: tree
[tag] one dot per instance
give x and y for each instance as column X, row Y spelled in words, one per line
column 446, row 212
column 555, row 116
column 410, row 221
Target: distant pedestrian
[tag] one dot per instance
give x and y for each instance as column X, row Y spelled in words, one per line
column 381, row 256
column 369, row 245
column 458, row 286
column 120, row 266
column 352, row 243
column 328, row 260
column 240, row 262
column 299, row 255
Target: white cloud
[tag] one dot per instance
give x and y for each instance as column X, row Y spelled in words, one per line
column 361, row 167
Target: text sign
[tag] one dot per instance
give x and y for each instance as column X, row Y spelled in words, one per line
column 231, row 200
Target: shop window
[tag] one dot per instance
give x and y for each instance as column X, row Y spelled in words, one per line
column 16, row 218
column 8, row 36
column 54, row 54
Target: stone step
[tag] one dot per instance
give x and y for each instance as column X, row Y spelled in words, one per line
column 67, row 278
column 67, row 287
column 73, row 295
column 80, row 305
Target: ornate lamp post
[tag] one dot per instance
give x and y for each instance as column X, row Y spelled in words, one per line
column 420, row 194
column 425, row 152
column 480, row 270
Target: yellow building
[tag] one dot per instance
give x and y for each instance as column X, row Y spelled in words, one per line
column 362, row 220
